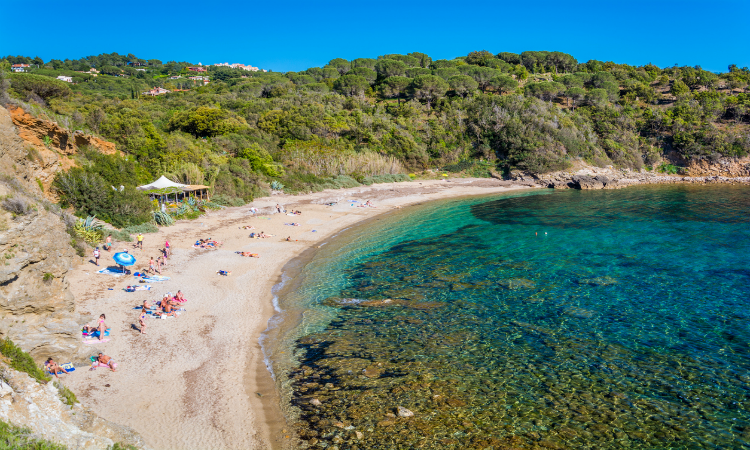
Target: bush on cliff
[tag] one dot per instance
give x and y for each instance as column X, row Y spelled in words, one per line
column 22, row 361
column 17, row 438
column 45, row 87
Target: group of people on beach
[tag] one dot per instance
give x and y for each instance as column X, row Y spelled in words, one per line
column 207, row 243
column 169, row 305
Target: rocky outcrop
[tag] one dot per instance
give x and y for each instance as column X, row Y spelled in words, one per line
column 722, row 167
column 26, row 403
column 45, row 159
column 36, row 307
column 596, row 182
column 727, row 170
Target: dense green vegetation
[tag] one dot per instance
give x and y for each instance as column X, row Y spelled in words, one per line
column 17, row 438
column 22, row 361
column 352, row 121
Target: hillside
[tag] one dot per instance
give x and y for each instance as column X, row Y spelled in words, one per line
column 370, row 120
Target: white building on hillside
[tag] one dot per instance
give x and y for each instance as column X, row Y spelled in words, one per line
column 66, row 79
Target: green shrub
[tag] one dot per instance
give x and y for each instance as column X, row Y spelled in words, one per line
column 121, row 446
column 66, row 395
column 22, row 361
column 225, row 200
column 122, row 235
column 390, row 178
column 48, row 277
column 17, row 438
column 147, row 227
column 667, row 168
column 44, row 87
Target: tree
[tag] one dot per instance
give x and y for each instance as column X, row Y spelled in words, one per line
column 679, row 89
column 443, row 64
column 428, row 88
column 545, row 90
column 482, row 75
column 394, row 87
column 575, row 95
column 597, row 97
column 479, row 58
column 351, row 85
column 424, row 60
column 341, row 65
column 364, row 62
column 415, row 71
column 329, row 73
column 446, row 73
column 520, row 72
column 368, row 74
column 390, row 68
column 503, row 83
column 510, row 58
column 205, row 121
column 570, row 81
column 462, row 84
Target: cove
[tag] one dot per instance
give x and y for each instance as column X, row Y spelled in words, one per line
column 573, row 319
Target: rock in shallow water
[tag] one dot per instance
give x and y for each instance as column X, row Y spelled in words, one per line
column 403, row 412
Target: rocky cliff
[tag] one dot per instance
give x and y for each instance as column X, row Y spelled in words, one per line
column 581, row 176
column 37, row 310
column 24, row 402
column 49, row 147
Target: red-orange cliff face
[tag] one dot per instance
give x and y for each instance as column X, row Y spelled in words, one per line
column 48, row 158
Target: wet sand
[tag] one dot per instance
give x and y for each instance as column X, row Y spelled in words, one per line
column 199, row 380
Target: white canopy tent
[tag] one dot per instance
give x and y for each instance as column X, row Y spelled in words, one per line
column 162, row 183
column 163, row 187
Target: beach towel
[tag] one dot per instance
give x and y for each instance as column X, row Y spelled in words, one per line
column 155, row 279
column 95, row 341
column 145, row 287
column 111, row 271
column 292, row 224
column 94, row 333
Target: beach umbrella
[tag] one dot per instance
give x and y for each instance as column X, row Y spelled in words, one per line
column 124, row 259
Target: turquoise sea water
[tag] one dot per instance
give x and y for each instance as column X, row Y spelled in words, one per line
column 594, row 319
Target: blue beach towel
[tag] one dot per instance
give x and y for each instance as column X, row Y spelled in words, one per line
column 111, row 271
column 155, row 279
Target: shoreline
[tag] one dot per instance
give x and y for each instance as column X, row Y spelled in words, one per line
column 201, row 379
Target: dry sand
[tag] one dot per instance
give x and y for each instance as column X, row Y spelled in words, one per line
column 198, row 381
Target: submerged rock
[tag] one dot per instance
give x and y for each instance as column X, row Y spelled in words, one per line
column 598, row 281
column 517, row 283
column 403, row 412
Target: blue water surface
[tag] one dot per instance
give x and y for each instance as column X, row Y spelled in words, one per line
column 573, row 319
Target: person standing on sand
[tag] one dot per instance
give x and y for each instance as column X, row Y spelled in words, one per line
column 108, row 243
column 102, row 327
column 167, row 252
column 96, row 256
column 142, row 319
column 139, row 244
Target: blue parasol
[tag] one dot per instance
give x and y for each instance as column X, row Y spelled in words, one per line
column 124, row 258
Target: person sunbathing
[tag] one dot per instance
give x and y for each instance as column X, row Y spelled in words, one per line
column 104, row 361
column 294, row 224
column 179, row 297
column 247, row 227
column 224, row 272
column 146, row 304
column 264, row 235
column 53, row 368
column 252, row 255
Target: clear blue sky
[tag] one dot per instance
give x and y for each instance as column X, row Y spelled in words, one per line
column 295, row 35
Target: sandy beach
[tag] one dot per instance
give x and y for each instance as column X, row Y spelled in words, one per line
column 199, row 380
